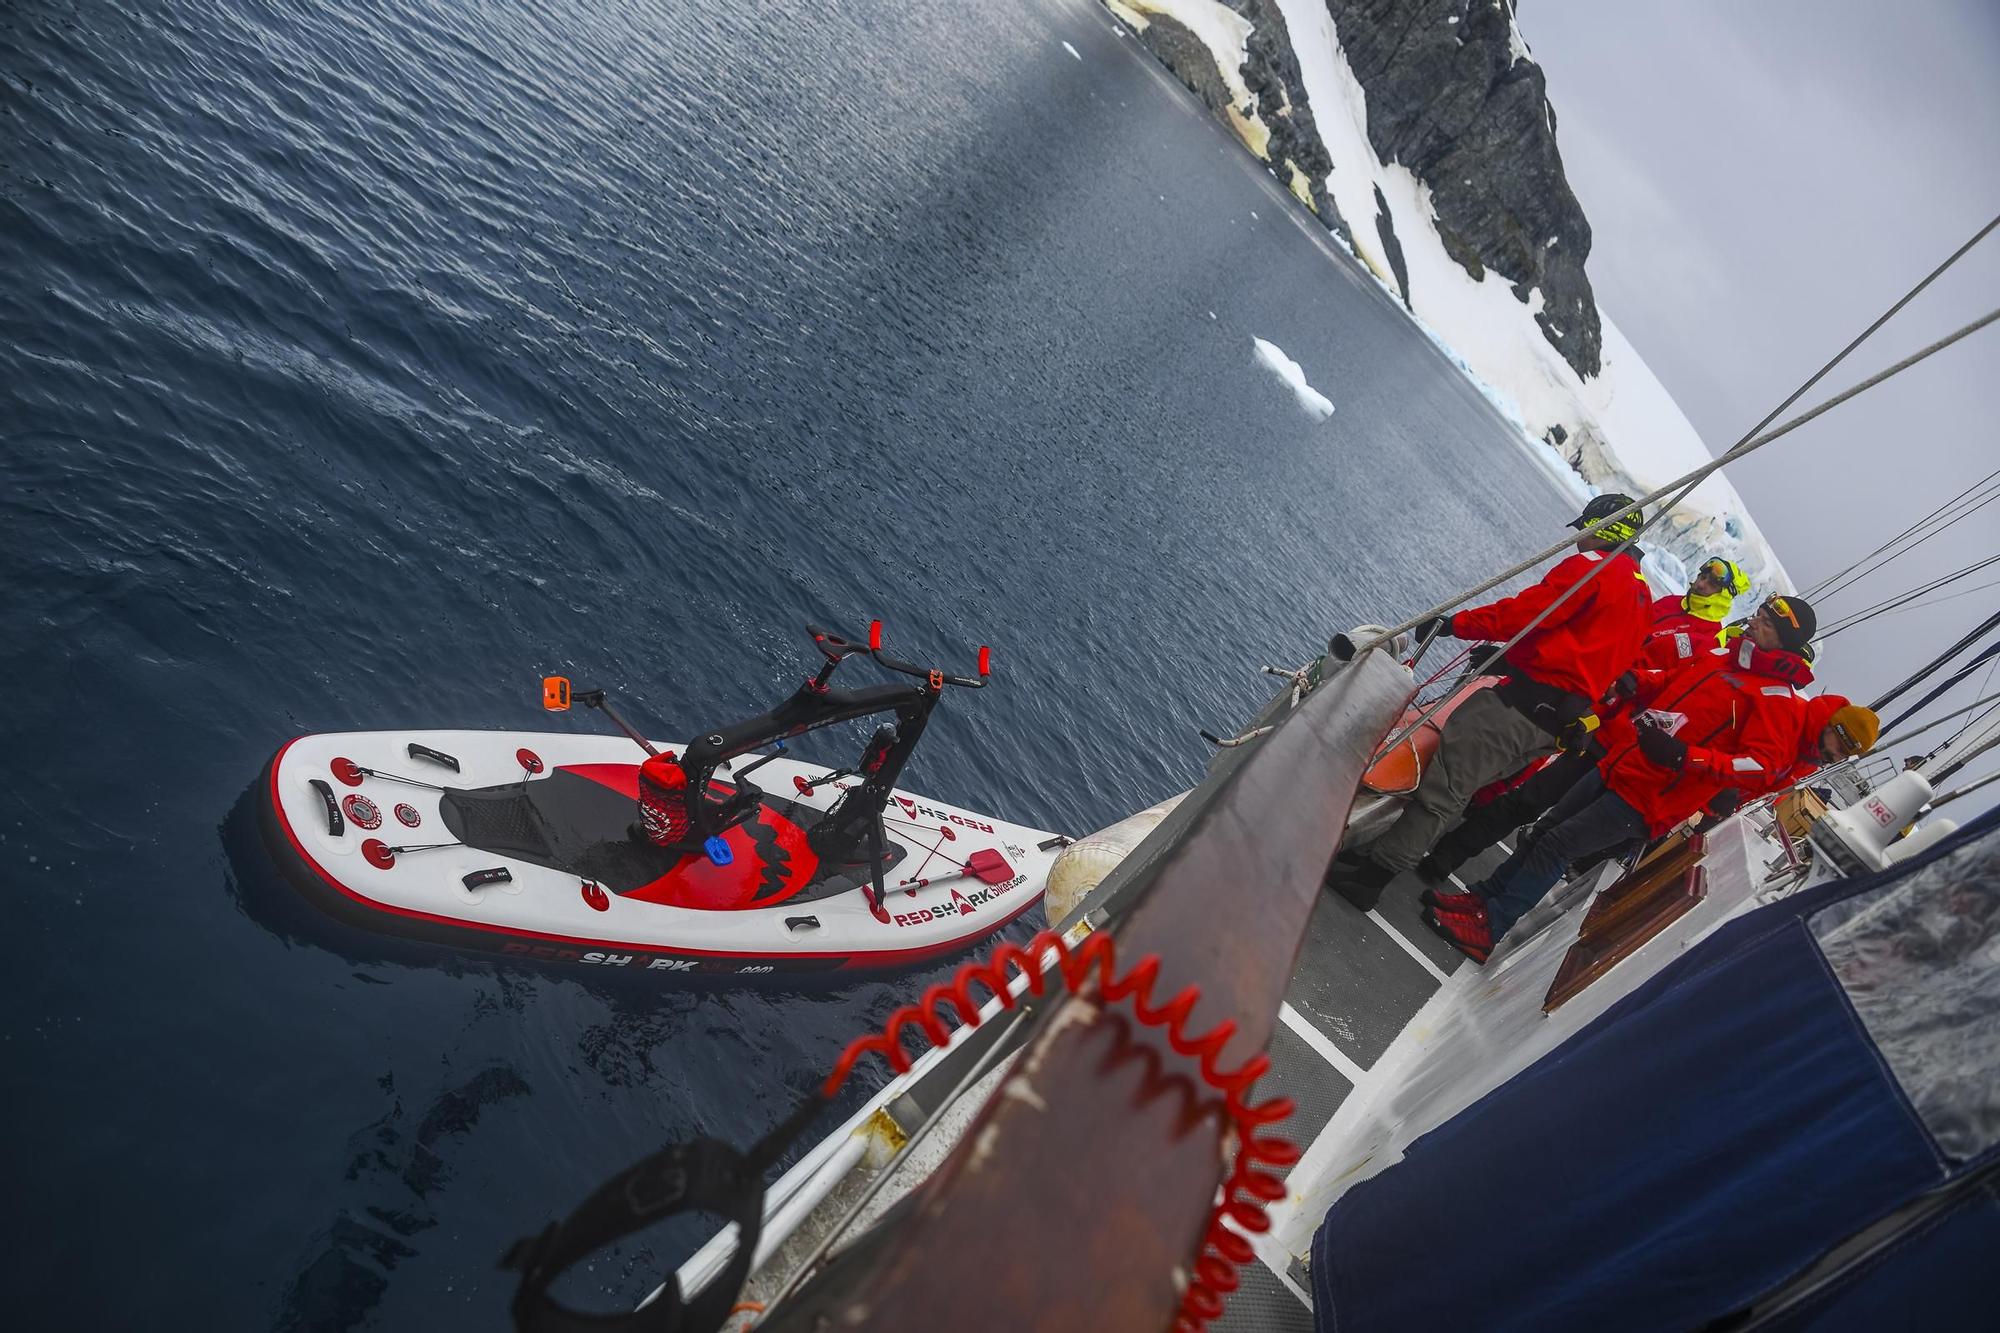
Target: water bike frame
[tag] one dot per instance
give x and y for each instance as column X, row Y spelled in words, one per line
column 815, row 704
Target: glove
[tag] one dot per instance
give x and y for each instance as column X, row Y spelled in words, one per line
column 1724, row 802
column 1664, row 750
column 1435, row 625
column 1486, row 660
column 1578, row 734
column 1625, row 687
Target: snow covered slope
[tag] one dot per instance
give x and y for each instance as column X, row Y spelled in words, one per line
column 1618, row 429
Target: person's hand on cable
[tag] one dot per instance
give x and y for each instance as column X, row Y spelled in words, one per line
column 1433, row 626
column 1664, row 750
column 1625, row 687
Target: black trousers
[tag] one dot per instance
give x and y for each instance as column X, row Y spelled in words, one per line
column 1485, row 825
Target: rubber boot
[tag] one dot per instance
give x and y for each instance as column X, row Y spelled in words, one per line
column 1358, row 879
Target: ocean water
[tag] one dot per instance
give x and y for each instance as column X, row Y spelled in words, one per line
column 361, row 363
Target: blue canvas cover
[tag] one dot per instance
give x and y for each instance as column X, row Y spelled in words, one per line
column 1804, row 1073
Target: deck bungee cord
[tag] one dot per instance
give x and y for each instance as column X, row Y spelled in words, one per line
column 1102, row 1059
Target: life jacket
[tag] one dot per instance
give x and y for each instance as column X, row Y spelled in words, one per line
column 1588, row 641
column 1737, row 713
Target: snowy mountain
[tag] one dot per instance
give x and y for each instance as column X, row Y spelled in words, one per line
column 1420, row 133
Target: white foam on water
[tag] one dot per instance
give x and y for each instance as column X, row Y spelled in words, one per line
column 1272, row 358
column 1071, row 49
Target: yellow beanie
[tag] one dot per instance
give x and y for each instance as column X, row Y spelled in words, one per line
column 1860, row 724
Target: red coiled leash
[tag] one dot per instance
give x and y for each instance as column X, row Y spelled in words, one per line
column 711, row 1176
column 1249, row 1189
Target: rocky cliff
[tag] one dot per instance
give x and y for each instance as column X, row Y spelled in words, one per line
column 1453, row 96
column 1421, row 133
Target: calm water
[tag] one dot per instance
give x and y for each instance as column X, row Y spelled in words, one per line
column 361, row 363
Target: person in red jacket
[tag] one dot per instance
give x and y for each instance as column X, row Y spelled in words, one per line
column 1550, row 678
column 1831, row 731
column 1715, row 724
column 1700, row 611
column 1684, row 626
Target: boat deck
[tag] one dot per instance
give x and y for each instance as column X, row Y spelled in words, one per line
column 1357, row 982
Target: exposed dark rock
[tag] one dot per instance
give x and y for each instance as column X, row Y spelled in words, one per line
column 1450, row 102
column 1271, row 72
column 1385, row 227
column 1557, row 435
column 1461, row 252
column 1189, row 59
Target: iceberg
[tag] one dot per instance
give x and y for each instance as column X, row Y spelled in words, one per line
column 1272, row 357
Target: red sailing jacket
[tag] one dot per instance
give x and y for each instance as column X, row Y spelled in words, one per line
column 1738, row 716
column 1664, row 652
column 1678, row 633
column 1589, row 640
column 1813, row 717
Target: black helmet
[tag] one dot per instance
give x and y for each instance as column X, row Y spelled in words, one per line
column 1605, row 506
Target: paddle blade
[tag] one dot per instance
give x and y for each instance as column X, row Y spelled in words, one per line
column 985, row 661
column 989, row 866
column 555, row 693
column 874, row 636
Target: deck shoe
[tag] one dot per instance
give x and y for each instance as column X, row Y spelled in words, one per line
column 1447, row 904
column 1358, row 879
column 1467, row 932
column 1437, row 869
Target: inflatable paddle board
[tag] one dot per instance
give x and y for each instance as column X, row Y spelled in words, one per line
column 584, row 850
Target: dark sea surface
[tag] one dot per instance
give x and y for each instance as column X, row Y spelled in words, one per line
column 360, row 363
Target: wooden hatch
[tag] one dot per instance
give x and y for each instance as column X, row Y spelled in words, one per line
column 1667, row 882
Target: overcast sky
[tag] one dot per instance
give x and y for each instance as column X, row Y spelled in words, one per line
column 1763, row 178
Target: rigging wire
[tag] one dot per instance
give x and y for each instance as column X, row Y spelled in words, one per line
column 1991, row 651
column 1966, row 790
column 1959, row 763
column 1989, row 720
column 1825, row 587
column 1904, row 686
column 1751, row 440
column 1986, row 498
column 1889, row 738
column 1687, row 484
column 1907, row 599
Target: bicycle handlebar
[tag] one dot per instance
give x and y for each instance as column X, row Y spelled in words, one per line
column 836, row 649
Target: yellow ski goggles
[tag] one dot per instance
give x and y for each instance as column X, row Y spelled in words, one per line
column 1779, row 609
